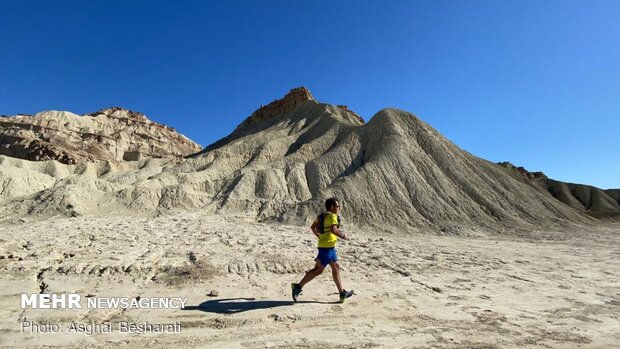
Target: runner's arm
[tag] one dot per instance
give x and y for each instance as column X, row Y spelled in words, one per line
column 339, row 233
column 313, row 227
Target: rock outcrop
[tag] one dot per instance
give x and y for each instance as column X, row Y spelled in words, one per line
column 113, row 134
column 522, row 171
column 281, row 106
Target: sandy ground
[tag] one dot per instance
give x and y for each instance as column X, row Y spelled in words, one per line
column 558, row 290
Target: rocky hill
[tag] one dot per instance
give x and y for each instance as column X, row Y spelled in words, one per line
column 113, row 134
column 594, row 201
column 284, row 160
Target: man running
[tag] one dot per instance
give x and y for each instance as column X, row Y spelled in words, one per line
column 325, row 228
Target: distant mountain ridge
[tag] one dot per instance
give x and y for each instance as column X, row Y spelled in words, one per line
column 599, row 203
column 113, row 134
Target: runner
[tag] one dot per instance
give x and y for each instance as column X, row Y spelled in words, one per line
column 325, row 228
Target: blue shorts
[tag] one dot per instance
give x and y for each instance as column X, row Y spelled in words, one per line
column 326, row 255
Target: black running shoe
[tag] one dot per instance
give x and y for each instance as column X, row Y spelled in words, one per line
column 345, row 294
column 296, row 291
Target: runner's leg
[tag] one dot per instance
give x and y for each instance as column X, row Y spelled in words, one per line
column 336, row 274
column 311, row 274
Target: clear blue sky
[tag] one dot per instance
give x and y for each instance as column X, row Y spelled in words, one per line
column 533, row 82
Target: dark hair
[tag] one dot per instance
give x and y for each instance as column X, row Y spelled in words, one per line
column 330, row 202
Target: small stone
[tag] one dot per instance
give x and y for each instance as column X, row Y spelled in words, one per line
column 213, row 293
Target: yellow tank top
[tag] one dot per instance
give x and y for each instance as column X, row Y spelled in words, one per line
column 327, row 239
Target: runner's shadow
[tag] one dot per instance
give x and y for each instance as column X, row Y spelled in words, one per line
column 239, row 305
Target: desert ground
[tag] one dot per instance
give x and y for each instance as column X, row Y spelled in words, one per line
column 414, row 289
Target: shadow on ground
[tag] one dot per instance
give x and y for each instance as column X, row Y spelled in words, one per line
column 239, row 305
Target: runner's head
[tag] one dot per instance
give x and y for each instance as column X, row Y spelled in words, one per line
column 332, row 205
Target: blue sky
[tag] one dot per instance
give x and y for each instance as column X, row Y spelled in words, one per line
column 533, row 82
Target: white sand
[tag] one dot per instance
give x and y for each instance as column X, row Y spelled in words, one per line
column 559, row 290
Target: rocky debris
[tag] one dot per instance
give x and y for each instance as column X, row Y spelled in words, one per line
column 113, row 134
